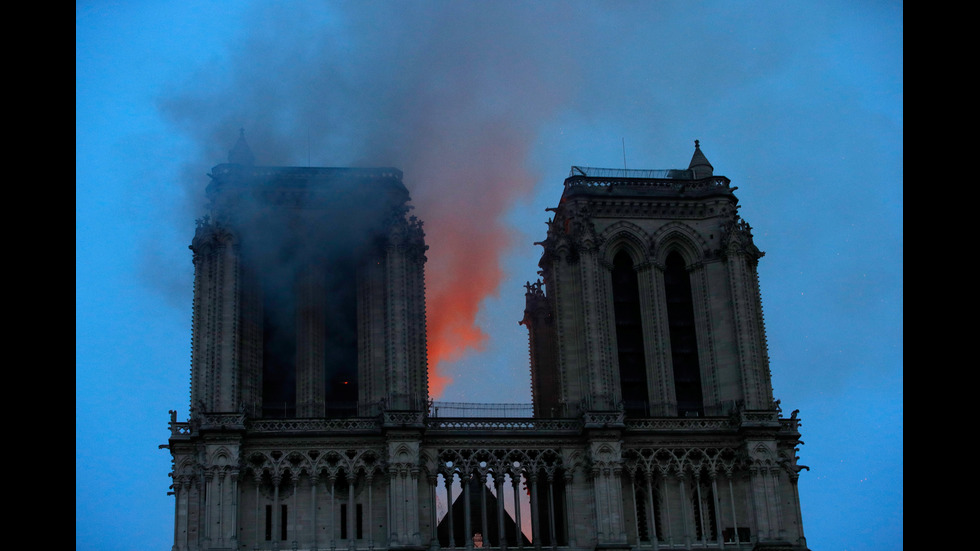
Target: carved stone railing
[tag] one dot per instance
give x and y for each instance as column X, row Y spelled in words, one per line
column 352, row 424
column 759, row 418
column 706, row 424
column 403, row 419
column 180, row 429
column 221, row 421
column 476, row 424
column 597, row 419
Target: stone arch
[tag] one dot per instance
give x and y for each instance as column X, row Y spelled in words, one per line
column 680, row 237
column 625, row 235
column 220, row 457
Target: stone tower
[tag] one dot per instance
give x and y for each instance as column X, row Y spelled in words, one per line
column 310, row 425
column 647, row 324
column 653, row 300
column 309, row 316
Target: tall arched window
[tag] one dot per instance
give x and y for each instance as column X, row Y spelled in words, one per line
column 340, row 339
column 683, row 339
column 278, row 348
column 629, row 335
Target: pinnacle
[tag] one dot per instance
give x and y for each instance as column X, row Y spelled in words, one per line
column 699, row 163
column 241, row 154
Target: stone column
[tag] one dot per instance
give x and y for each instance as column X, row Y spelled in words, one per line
column 535, row 513
column 652, row 512
column 467, row 524
column 182, row 501
column 516, row 481
column 685, row 506
column 370, row 516
column 314, row 479
column 433, row 515
column 551, row 510
column 731, row 493
column 333, row 512
column 276, row 480
column 483, row 509
column 498, row 481
column 351, row 512
column 449, row 501
column 717, row 504
column 205, row 509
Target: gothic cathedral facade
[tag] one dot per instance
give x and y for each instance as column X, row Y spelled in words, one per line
column 310, row 428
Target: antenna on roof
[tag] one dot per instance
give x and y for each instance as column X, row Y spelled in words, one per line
column 624, row 153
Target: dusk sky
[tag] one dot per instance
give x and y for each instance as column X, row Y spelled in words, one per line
column 485, row 106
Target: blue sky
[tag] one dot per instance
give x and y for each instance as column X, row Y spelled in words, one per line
column 485, row 106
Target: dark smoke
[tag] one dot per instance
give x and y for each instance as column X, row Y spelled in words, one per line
column 462, row 95
column 452, row 95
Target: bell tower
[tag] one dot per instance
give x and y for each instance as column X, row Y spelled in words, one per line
column 308, row 293
column 652, row 303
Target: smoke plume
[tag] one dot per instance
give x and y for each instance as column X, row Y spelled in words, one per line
column 453, row 96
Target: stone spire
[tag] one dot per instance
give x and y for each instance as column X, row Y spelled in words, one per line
column 700, row 167
column 241, row 154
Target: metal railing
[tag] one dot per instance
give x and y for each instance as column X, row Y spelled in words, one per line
column 467, row 409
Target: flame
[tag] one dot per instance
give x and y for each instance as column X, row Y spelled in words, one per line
column 467, row 272
column 466, row 238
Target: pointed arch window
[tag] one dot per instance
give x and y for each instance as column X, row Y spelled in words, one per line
column 629, row 335
column 683, row 337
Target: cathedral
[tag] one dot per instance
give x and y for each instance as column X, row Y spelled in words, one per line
column 653, row 423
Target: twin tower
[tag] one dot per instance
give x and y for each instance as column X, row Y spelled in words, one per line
column 310, row 428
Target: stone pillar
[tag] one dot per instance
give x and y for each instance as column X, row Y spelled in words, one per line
column 404, row 470
column 551, row 510
column 731, row 494
column 314, row 480
column 310, row 327
column 351, row 512
column 433, row 515
column 333, row 512
column 717, row 503
column 535, row 513
column 651, row 511
column 370, row 516
column 483, row 510
column 449, row 502
column 498, row 481
column 464, row 479
column 607, row 481
column 685, row 508
column 214, row 371
column 182, row 502
column 516, row 482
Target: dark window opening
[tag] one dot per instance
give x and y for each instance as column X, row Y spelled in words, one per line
column 642, row 525
column 340, row 340
column 268, row 523
column 343, row 521
column 683, row 337
column 729, row 534
column 647, row 521
column 551, row 499
column 358, row 521
column 704, row 513
column 283, row 522
column 278, row 349
column 629, row 335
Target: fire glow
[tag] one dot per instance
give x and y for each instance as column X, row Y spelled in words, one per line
column 458, row 280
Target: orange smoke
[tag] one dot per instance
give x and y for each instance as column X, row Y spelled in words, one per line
column 463, row 269
column 462, row 207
